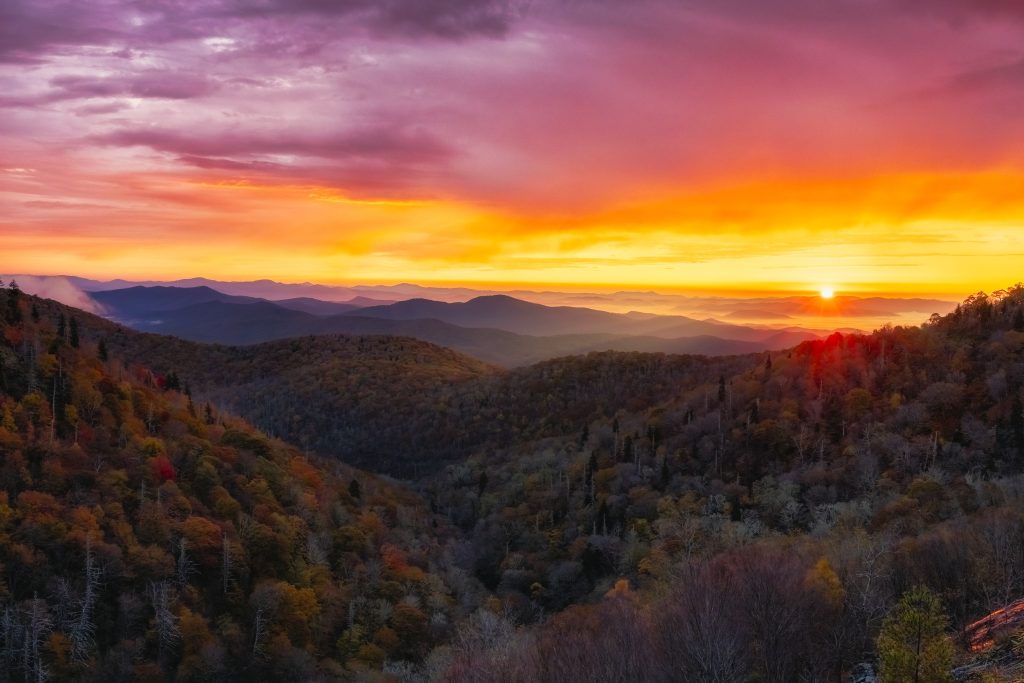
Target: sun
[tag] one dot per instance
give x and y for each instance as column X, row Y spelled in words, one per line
column 827, row 292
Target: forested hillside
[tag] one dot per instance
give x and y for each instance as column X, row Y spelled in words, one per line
column 395, row 404
column 761, row 527
column 773, row 517
column 146, row 537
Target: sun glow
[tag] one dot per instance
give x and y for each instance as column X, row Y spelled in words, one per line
column 827, row 292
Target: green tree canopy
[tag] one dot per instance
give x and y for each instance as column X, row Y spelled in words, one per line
column 913, row 646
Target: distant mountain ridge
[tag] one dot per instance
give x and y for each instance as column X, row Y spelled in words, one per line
column 141, row 301
column 496, row 328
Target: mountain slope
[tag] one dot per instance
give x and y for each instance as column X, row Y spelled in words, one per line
column 135, row 302
column 508, row 313
column 395, row 404
column 782, row 509
column 143, row 537
column 317, row 307
column 224, row 322
column 770, row 508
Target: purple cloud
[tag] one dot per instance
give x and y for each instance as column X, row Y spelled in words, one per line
column 32, row 29
column 381, row 142
column 570, row 105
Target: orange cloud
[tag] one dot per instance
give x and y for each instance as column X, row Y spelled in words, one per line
column 909, row 232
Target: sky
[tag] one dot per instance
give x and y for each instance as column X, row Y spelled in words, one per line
column 871, row 146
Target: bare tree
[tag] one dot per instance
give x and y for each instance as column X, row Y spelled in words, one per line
column 185, row 566
column 697, row 633
column 259, row 627
column 225, row 562
column 82, row 629
column 38, row 627
column 164, row 620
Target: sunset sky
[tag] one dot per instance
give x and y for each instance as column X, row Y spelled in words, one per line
column 719, row 145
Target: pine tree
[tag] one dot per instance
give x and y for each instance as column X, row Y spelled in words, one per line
column 355, row 490
column 102, row 350
column 913, row 646
column 13, row 314
column 1017, row 423
column 73, row 337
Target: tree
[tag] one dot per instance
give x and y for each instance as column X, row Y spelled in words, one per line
column 13, row 303
column 102, row 350
column 913, row 646
column 355, row 490
column 1017, row 423
column 73, row 335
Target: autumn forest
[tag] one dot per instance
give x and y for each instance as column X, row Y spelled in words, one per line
column 778, row 516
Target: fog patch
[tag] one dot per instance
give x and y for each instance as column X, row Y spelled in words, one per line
column 57, row 288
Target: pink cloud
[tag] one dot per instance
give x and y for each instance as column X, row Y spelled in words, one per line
column 567, row 108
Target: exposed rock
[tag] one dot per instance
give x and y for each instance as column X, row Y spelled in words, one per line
column 991, row 630
column 863, row 673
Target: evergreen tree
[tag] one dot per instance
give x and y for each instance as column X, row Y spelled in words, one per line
column 172, row 382
column 13, row 313
column 913, row 646
column 35, row 312
column 73, row 337
column 721, row 389
column 1018, row 320
column 1017, row 423
column 627, row 449
column 62, row 327
column 355, row 490
column 588, row 479
column 102, row 350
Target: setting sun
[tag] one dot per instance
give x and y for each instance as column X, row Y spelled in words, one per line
column 827, row 293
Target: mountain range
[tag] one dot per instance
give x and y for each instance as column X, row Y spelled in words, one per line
column 497, row 328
